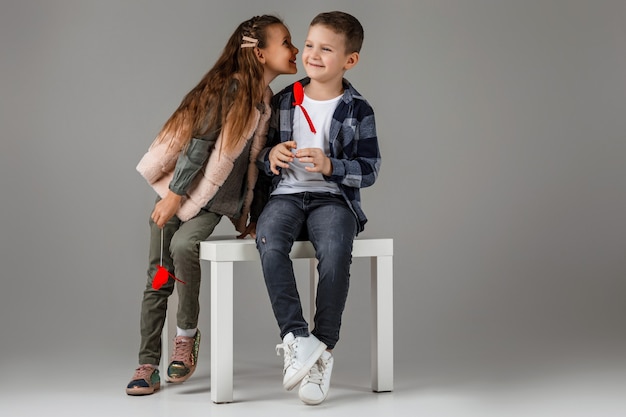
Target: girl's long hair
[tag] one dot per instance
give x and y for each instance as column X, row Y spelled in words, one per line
column 226, row 97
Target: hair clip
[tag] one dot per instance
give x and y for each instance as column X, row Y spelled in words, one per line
column 249, row 42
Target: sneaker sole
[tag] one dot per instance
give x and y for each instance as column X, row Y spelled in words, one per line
column 299, row 376
column 138, row 391
column 308, row 401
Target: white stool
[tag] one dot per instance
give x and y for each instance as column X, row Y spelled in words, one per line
column 223, row 252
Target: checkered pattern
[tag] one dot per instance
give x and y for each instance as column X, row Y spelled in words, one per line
column 354, row 148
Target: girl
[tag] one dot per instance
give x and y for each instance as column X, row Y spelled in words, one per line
column 202, row 165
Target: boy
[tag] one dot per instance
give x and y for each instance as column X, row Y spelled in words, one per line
column 320, row 152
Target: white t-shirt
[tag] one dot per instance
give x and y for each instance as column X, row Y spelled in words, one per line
column 296, row 179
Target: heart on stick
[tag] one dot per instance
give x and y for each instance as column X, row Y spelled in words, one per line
column 298, row 96
column 162, row 274
column 161, row 277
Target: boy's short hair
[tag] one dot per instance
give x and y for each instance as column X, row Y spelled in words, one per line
column 345, row 24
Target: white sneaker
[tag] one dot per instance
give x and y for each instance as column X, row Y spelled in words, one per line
column 315, row 385
column 300, row 354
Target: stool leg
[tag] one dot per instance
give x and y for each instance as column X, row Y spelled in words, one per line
column 222, row 332
column 382, row 323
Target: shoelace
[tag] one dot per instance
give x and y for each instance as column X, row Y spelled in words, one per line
column 288, row 349
column 316, row 374
column 182, row 349
column 143, row 372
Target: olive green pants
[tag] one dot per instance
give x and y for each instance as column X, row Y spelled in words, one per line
column 181, row 249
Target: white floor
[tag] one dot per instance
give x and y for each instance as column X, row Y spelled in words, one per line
column 569, row 386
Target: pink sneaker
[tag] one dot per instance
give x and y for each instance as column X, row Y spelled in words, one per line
column 145, row 381
column 184, row 358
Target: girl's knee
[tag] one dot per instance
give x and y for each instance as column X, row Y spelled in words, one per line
column 184, row 248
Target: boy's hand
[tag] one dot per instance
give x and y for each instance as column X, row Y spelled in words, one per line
column 317, row 157
column 280, row 155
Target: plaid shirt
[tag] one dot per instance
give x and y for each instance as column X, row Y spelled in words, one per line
column 354, row 149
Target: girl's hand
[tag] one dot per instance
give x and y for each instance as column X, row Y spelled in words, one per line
column 250, row 230
column 317, row 157
column 280, row 155
column 165, row 208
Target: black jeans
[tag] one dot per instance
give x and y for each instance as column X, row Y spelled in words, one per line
column 329, row 223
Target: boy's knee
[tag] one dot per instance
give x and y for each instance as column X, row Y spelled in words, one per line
column 263, row 244
column 336, row 256
column 270, row 245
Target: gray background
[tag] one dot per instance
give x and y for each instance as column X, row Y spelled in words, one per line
column 502, row 130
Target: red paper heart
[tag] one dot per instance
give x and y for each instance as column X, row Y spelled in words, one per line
column 161, row 277
column 298, row 96
column 298, row 93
